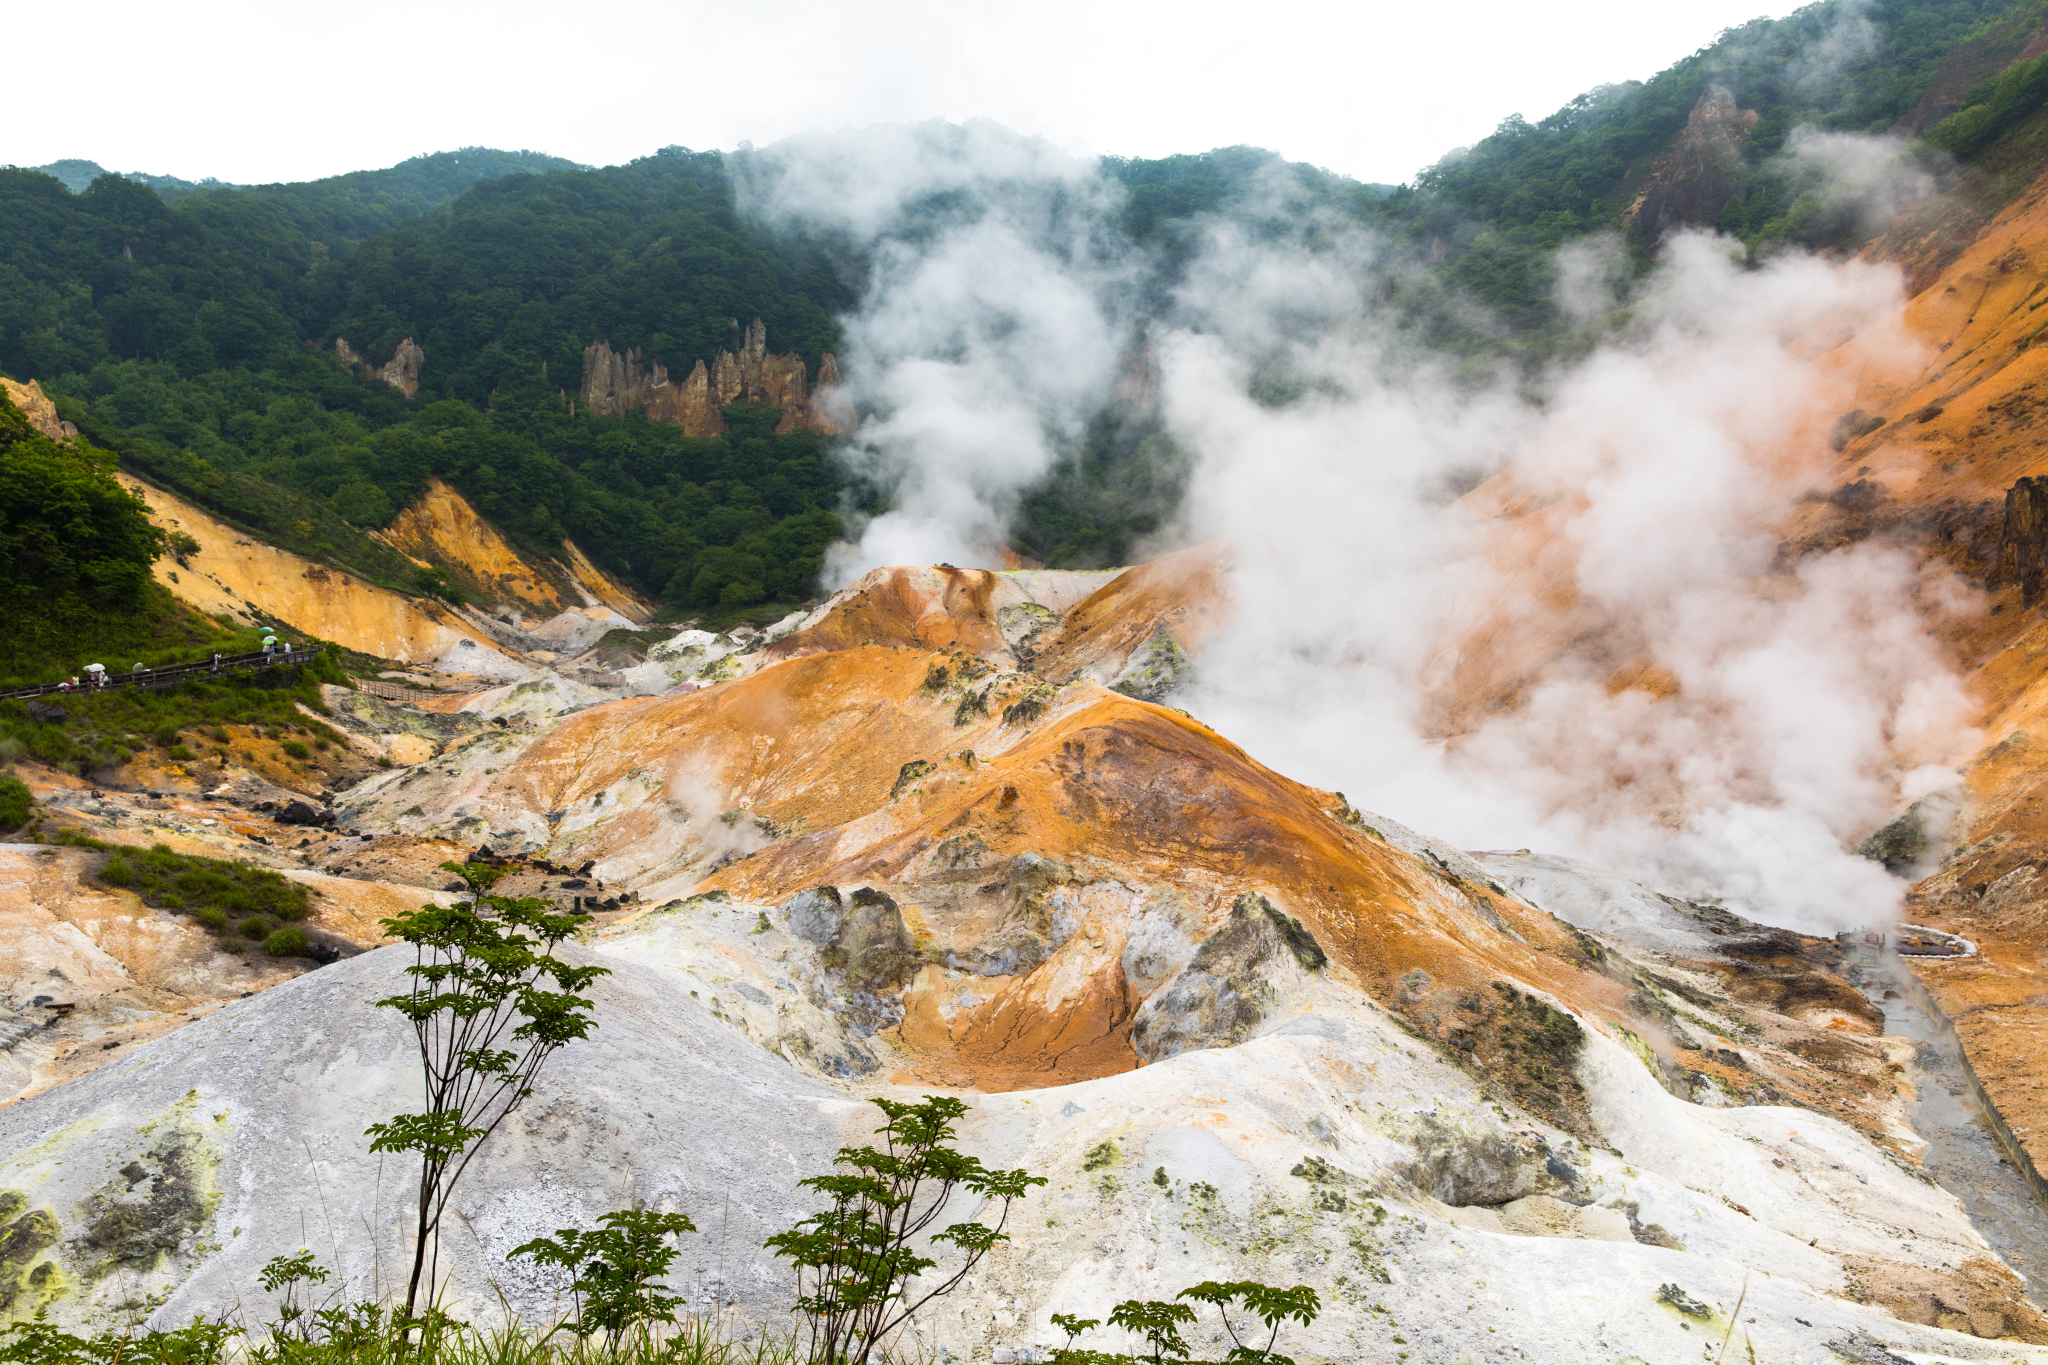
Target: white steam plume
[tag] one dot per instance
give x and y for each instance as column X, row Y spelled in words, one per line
column 989, row 331
column 1599, row 651
column 1853, row 182
column 721, row 829
column 1775, row 717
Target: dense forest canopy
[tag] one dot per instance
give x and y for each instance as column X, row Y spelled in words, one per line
column 532, row 268
column 75, row 554
column 191, row 327
column 188, row 337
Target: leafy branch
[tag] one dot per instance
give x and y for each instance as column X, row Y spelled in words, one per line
column 485, row 1022
column 1159, row 1323
column 855, row 1262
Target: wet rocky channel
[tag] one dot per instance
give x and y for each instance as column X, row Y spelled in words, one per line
column 1964, row 1152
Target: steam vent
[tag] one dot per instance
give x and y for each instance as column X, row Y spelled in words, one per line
column 1088, row 760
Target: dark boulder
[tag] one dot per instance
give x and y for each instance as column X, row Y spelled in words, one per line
column 299, row 813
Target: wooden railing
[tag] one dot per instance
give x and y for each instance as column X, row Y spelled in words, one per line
column 390, row 691
column 153, row 678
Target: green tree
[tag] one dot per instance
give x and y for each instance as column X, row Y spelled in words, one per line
column 1159, row 1322
column 72, row 538
column 616, row 1270
column 477, row 986
column 855, row 1262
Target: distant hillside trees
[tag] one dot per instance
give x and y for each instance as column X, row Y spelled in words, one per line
column 74, row 544
column 188, row 338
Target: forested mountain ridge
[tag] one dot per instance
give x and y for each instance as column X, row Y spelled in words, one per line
column 1490, row 216
column 188, row 338
column 194, row 329
column 341, row 210
column 197, row 338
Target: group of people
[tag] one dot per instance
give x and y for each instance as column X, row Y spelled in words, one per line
column 95, row 679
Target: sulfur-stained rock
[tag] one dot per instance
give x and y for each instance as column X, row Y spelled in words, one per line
column 1227, row 988
column 233, row 575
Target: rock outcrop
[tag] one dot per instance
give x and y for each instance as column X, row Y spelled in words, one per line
column 1691, row 183
column 37, row 407
column 616, row 382
column 401, row 372
column 2023, row 543
column 442, row 528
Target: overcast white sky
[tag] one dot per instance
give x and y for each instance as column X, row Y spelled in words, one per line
column 253, row 92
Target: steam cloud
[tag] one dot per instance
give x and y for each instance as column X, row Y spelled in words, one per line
column 1683, row 703
column 990, row 328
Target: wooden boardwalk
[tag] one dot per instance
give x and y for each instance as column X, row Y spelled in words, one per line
column 151, row 679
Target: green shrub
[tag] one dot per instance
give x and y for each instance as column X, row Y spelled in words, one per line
column 15, row 802
column 294, row 749
column 289, row 941
column 179, row 753
column 363, row 1333
column 233, row 891
column 95, row 725
column 855, row 1262
column 618, row 1271
column 117, row 872
column 256, row 927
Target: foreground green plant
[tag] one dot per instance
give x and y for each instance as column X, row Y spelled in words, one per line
column 38, row 1343
column 476, row 986
column 855, row 1261
column 368, row 1334
column 1158, row 1322
column 616, row 1268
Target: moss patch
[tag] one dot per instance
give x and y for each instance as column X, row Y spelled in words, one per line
column 1538, row 1059
column 162, row 1195
column 25, row 1234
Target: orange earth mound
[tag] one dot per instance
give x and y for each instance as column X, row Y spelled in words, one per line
column 931, row 776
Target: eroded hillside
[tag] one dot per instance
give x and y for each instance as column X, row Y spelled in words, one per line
column 933, row 837
column 949, row 832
